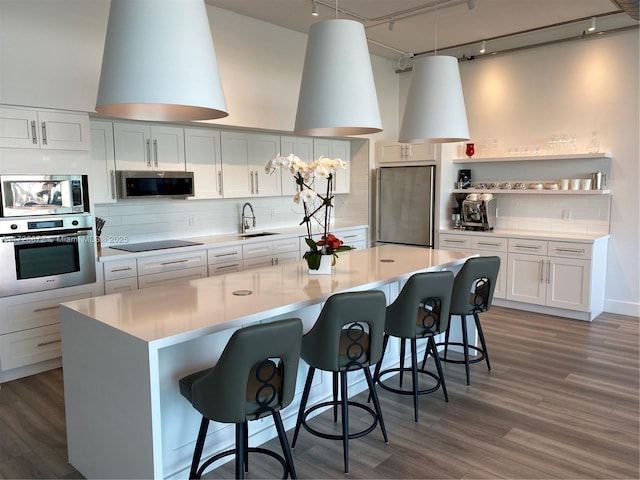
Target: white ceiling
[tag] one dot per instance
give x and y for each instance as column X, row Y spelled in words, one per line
column 457, row 24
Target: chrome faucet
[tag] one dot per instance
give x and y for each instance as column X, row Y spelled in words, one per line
column 243, row 220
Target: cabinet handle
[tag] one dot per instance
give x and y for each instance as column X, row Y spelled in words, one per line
column 155, row 152
column 218, row 255
column 112, row 185
column 272, row 261
column 446, row 240
column 349, row 236
column 44, row 309
column 542, row 271
column 44, row 133
column 174, row 262
column 123, row 269
column 257, row 186
column 276, row 260
column 220, row 182
column 148, row 153
column 34, row 133
column 234, row 265
column 251, row 180
column 488, row 244
column 548, row 272
column 43, row 344
column 581, row 251
column 530, row 247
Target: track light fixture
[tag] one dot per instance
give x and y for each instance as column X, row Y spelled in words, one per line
column 471, row 4
column 483, row 46
column 392, row 23
column 592, row 27
column 314, row 8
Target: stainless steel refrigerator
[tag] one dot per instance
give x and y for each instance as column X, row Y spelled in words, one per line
column 405, row 205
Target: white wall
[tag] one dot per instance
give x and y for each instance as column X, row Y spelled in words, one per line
column 522, row 99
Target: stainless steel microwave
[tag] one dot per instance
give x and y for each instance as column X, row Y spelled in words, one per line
column 27, row 195
column 154, row 184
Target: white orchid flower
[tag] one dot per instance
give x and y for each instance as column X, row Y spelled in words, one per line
column 307, row 195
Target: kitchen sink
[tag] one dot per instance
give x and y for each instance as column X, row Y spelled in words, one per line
column 257, row 234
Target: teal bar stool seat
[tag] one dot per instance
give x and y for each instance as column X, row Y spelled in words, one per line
column 346, row 338
column 421, row 310
column 254, row 378
column 473, row 290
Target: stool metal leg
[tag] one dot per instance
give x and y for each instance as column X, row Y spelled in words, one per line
column 414, row 376
column 240, row 450
column 482, row 342
column 303, row 405
column 376, row 372
column 345, row 419
column 335, row 396
column 197, row 454
column 284, row 444
column 376, row 403
column 431, row 346
column 465, row 346
column 245, row 430
column 402, row 354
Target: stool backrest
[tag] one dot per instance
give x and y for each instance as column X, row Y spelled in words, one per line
column 255, row 375
column 474, row 285
column 422, row 307
column 364, row 313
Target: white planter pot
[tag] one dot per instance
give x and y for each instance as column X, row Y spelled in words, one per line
column 325, row 266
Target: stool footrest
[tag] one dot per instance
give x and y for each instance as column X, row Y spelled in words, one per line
column 477, row 359
column 262, row 451
column 402, row 391
column 330, row 436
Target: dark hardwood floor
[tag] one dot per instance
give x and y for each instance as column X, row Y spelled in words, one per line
column 561, row 401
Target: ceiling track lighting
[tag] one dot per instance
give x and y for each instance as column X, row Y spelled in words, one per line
column 159, row 63
column 471, row 4
column 483, row 46
column 392, row 23
column 592, row 27
column 314, row 8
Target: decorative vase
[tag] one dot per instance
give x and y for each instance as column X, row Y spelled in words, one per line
column 325, row 266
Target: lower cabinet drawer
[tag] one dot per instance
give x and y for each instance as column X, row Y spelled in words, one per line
column 30, row 346
column 121, row 285
column 451, row 241
column 163, row 278
column 222, row 268
column 120, row 269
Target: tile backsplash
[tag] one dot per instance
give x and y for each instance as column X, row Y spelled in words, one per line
column 555, row 213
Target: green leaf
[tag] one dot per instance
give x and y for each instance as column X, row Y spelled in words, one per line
column 313, row 260
column 312, row 245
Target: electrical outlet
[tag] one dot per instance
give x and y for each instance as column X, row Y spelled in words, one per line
column 567, row 214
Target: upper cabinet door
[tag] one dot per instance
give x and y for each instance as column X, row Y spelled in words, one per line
column 202, row 153
column 102, row 184
column 303, row 148
column 244, row 158
column 334, row 149
column 140, row 146
column 44, row 129
column 401, row 152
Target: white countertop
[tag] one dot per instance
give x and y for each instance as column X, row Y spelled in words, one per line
column 168, row 314
column 221, row 240
column 535, row 235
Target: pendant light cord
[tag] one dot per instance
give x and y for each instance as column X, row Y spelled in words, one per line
column 336, row 9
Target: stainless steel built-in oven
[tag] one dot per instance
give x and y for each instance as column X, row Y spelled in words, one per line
column 43, row 253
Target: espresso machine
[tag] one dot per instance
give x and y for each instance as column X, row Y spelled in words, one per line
column 478, row 212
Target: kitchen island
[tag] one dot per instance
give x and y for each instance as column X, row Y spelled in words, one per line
column 124, row 353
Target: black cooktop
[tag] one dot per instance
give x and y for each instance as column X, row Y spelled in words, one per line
column 158, row 245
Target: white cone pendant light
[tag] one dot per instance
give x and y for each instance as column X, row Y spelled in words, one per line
column 337, row 93
column 159, row 63
column 434, row 112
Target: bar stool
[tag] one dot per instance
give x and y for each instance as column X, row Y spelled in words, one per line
column 347, row 337
column 421, row 310
column 254, row 378
column 473, row 290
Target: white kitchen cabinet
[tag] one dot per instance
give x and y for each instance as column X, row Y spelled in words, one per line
column 43, row 129
column 120, row 276
column 303, row 148
column 30, row 330
column 244, row 158
column 224, row 259
column 273, row 252
column 387, row 151
column 142, row 146
column 171, row 267
column 103, row 183
column 334, row 149
column 554, row 274
column 173, row 276
column 203, row 158
column 485, row 246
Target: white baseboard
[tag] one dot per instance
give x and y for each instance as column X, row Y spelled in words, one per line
column 622, row 308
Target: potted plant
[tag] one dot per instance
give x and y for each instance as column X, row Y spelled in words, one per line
column 317, row 206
